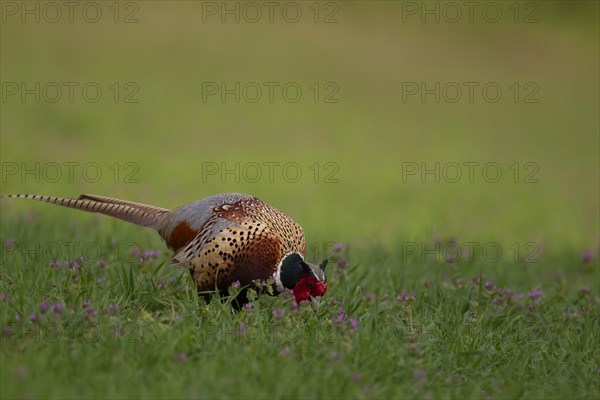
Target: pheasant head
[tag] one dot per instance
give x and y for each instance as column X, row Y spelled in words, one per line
column 306, row 280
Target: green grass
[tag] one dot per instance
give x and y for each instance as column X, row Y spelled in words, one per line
column 457, row 339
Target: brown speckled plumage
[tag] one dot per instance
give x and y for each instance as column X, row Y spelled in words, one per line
column 232, row 237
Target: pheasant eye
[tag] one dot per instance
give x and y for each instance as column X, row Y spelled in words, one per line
column 309, row 284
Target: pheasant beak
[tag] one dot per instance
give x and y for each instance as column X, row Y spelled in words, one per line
column 323, row 264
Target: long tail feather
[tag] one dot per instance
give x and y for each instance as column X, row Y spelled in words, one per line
column 130, row 211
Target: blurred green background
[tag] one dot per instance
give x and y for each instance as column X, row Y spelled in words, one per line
column 368, row 57
column 369, row 52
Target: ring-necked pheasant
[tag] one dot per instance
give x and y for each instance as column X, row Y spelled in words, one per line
column 222, row 239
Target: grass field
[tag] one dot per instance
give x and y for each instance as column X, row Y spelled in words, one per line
column 467, row 263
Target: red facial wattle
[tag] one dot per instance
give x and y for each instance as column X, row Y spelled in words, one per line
column 309, row 287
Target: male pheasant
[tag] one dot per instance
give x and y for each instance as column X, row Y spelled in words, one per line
column 222, row 239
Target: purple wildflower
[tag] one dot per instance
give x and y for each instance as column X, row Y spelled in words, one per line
column 339, row 247
column 406, row 298
column 5, row 296
column 57, row 308
column 35, row 318
column 278, row 313
column 356, row 377
column 342, row 262
column 74, row 265
column 148, row 255
column 335, row 356
column 160, row 283
column 584, row 290
column 9, row 243
column 536, row 294
column 587, row 256
column 236, row 284
column 101, row 263
column 113, row 308
column 44, row 306
column 287, row 296
column 353, row 323
column 249, row 306
column 181, row 357
column 86, row 304
column 90, row 313
column 341, row 317
column 285, row 351
column 294, row 306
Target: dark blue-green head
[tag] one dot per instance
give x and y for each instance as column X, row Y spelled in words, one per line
column 306, row 280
